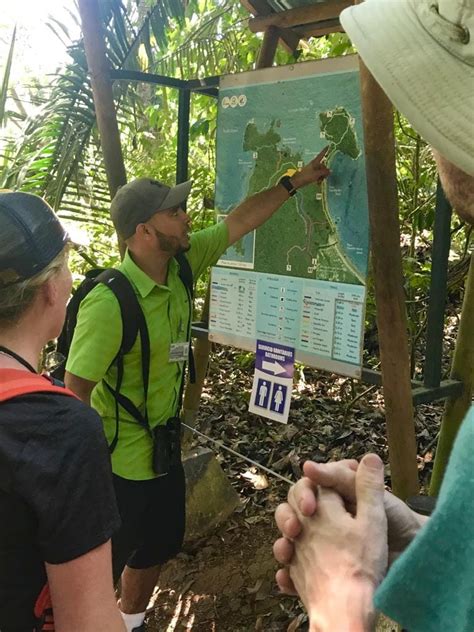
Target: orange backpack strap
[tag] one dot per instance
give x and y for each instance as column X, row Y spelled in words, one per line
column 44, row 611
column 14, row 383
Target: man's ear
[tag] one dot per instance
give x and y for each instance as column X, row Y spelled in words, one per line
column 142, row 230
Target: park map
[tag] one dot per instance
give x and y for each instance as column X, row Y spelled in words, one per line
column 301, row 276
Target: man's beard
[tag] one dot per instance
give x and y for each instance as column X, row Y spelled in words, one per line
column 170, row 245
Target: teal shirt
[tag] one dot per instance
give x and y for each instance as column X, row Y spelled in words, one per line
column 97, row 339
column 430, row 588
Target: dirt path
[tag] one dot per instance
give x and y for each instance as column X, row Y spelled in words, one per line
column 226, row 583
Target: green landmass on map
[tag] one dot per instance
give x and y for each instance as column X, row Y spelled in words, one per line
column 301, row 239
column 338, row 128
column 263, row 143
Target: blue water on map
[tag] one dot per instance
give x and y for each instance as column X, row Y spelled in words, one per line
column 346, row 178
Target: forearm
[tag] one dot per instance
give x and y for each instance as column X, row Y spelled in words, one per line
column 344, row 607
column 82, row 593
column 105, row 618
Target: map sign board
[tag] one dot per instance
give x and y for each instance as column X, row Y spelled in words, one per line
column 299, row 279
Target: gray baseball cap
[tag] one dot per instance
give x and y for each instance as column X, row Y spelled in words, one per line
column 137, row 201
column 31, row 236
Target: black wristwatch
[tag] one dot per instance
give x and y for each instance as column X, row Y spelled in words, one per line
column 285, row 181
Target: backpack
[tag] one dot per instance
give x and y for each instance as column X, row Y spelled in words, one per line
column 133, row 324
column 14, row 383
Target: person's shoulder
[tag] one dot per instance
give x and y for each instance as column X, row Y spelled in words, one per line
column 39, row 428
column 99, row 301
column 100, row 293
column 216, row 231
column 59, row 413
column 206, row 246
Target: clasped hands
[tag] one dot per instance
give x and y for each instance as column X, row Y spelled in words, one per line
column 339, row 526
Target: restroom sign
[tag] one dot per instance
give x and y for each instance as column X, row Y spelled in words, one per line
column 273, row 381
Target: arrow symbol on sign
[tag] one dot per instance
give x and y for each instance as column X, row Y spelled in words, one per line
column 273, row 367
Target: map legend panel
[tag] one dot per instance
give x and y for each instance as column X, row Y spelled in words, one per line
column 348, row 322
column 278, row 309
column 233, row 306
column 322, row 320
column 317, row 321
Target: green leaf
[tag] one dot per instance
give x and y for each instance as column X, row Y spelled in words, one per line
column 6, row 79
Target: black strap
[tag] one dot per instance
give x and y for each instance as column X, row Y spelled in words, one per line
column 19, row 359
column 133, row 322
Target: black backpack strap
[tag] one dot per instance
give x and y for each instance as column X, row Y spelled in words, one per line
column 133, row 322
column 130, row 309
column 186, row 276
column 65, row 338
column 185, row 273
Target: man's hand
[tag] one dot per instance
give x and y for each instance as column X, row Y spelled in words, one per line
column 403, row 523
column 339, row 558
column 314, row 171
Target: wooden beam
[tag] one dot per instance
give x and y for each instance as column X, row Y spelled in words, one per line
column 300, row 16
column 260, row 7
column 390, row 300
column 102, row 92
column 269, row 46
column 318, row 30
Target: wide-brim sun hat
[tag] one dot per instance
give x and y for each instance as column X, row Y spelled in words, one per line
column 31, row 236
column 136, row 202
column 421, row 52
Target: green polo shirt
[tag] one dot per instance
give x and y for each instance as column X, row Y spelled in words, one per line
column 97, row 339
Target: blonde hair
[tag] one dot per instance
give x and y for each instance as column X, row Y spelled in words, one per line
column 16, row 299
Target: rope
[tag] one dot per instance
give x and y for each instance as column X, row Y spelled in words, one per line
column 241, row 456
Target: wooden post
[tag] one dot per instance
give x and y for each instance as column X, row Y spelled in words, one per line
column 390, row 300
column 202, row 346
column 463, row 370
column 269, row 47
column 202, row 350
column 102, row 92
column 289, row 39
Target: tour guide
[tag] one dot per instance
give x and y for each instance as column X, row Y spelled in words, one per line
column 149, row 217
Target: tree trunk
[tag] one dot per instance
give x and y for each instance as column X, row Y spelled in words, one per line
column 102, row 92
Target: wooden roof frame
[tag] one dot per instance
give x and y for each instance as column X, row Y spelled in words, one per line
column 292, row 25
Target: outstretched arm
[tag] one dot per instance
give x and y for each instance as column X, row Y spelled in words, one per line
column 255, row 210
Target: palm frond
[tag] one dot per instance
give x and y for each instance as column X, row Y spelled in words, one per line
column 6, row 80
